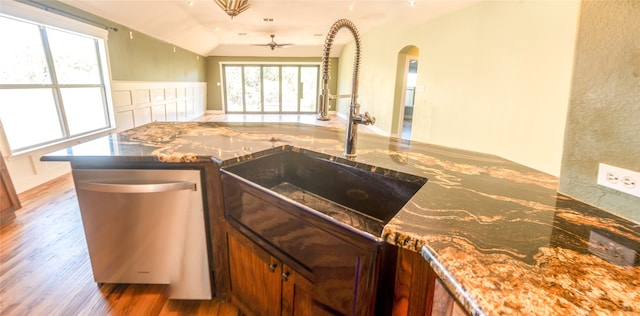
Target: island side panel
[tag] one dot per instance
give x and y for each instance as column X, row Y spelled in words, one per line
column 218, row 256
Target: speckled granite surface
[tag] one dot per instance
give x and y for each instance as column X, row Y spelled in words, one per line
column 498, row 234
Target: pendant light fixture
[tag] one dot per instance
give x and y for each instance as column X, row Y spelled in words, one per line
column 233, row 7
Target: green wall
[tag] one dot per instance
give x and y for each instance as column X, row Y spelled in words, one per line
column 145, row 58
column 142, row 58
column 604, row 110
column 214, row 91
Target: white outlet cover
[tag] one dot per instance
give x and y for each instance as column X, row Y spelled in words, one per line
column 619, row 179
column 610, row 250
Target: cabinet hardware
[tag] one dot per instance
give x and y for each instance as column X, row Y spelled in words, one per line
column 272, row 267
column 136, row 187
column 284, row 276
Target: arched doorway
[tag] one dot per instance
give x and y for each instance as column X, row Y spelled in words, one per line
column 406, row 76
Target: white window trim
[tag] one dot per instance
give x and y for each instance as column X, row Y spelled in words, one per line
column 18, row 10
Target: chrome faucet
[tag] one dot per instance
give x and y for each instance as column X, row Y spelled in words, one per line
column 355, row 117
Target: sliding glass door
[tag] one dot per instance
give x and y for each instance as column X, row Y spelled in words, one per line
column 234, row 92
column 270, row 88
column 290, row 84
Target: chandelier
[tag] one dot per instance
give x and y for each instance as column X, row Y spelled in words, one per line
column 233, row 7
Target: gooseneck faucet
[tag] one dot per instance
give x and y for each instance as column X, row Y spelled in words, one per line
column 355, row 117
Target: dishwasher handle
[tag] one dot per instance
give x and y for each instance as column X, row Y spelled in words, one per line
column 136, row 187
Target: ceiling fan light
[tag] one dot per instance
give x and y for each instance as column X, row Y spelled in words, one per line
column 233, row 7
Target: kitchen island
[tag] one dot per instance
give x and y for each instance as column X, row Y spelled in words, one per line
column 497, row 234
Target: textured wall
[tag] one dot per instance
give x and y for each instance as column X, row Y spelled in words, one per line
column 494, row 77
column 144, row 58
column 603, row 123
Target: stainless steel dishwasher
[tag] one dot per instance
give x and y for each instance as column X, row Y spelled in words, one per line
column 146, row 226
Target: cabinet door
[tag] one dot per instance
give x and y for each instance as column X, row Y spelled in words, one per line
column 255, row 278
column 297, row 296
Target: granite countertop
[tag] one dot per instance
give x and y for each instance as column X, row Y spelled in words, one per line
column 497, row 233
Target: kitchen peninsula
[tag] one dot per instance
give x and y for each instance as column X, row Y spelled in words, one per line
column 495, row 234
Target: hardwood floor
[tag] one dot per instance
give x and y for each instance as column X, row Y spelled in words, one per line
column 45, row 268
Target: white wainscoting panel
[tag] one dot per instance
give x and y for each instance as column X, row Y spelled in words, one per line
column 140, row 103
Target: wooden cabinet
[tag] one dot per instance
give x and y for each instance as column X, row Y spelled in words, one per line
column 418, row 291
column 9, row 202
column 261, row 284
column 443, row 303
column 352, row 273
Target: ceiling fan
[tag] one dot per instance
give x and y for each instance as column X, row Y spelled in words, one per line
column 273, row 45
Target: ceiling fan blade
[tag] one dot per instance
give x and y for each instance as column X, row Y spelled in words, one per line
column 273, row 44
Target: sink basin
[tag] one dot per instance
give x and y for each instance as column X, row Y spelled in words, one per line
column 362, row 196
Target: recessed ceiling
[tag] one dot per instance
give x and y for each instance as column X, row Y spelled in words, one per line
column 202, row 27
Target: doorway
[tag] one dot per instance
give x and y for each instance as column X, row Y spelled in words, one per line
column 404, row 97
column 409, row 98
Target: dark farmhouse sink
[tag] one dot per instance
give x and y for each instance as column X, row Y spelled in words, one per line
column 324, row 216
column 362, row 196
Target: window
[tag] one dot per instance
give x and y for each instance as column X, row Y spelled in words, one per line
column 52, row 84
column 270, row 88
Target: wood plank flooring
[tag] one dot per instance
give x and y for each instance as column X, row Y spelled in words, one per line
column 45, row 267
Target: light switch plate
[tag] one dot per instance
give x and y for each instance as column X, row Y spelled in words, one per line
column 619, row 179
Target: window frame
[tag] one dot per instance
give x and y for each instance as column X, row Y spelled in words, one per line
column 43, row 19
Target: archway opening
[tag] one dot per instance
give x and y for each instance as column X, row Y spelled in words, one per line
column 404, row 95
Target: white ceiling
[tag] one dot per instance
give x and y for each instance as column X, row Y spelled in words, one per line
column 202, row 27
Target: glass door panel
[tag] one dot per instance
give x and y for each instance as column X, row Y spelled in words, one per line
column 252, row 89
column 233, row 84
column 271, row 88
column 309, row 80
column 290, row 89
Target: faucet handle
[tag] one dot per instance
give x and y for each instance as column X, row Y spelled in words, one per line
column 369, row 119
